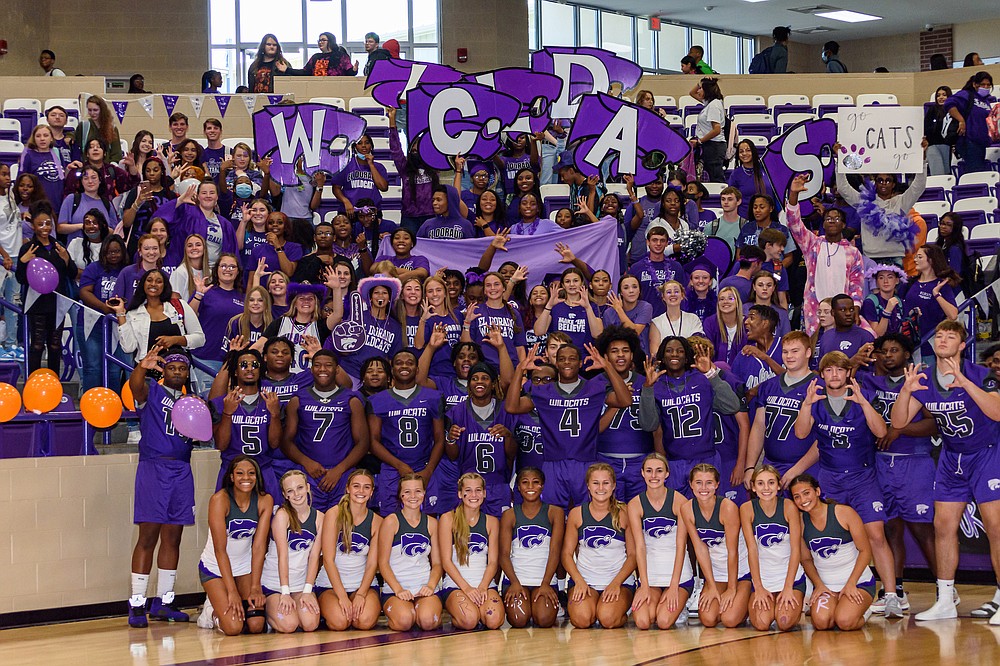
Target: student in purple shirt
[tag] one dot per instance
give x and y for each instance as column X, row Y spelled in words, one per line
column 763, row 216
column 494, row 312
column 407, row 265
column 932, row 294
column 628, row 310
column 758, row 361
column 655, row 269
column 362, row 178
column 480, row 177
column 449, row 221
column 650, row 203
column 882, row 308
column 845, row 336
column 43, row 159
column 521, row 153
column 217, row 303
column 750, row 261
column 570, row 312
column 970, row 107
column 214, row 153
column 748, row 177
column 194, row 213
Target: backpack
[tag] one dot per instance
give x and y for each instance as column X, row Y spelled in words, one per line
column 761, row 63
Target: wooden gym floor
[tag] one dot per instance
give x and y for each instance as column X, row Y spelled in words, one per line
column 110, row 642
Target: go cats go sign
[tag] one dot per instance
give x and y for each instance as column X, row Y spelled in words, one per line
column 877, row 139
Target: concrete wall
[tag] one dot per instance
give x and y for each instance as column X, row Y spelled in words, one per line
column 66, row 532
column 978, row 36
column 495, row 32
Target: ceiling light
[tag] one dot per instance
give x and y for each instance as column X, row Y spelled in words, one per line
column 848, row 16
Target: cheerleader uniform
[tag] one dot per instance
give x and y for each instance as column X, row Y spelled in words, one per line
column 600, row 552
column 834, row 553
column 774, row 548
column 659, row 533
column 351, row 565
column 410, row 557
column 300, row 545
column 241, row 526
column 713, row 533
column 475, row 569
column 529, row 550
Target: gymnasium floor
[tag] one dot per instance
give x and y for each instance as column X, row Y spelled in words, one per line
column 110, row 642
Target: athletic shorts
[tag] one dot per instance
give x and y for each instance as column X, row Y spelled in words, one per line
column 442, row 491
column 323, row 500
column 859, row 490
column 964, row 477
column 628, row 476
column 164, row 492
column 907, row 484
column 565, row 483
column 630, row 584
column 680, row 470
column 205, row 574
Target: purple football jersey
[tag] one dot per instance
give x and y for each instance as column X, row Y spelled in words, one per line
column 324, row 432
column 624, row 436
column 845, row 442
column 685, row 406
column 159, row 439
column 570, row 421
column 885, row 391
column 963, row 425
column 781, row 403
column 478, row 450
column 408, row 424
column 249, row 435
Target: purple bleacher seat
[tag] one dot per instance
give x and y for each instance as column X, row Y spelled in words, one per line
column 711, row 201
column 9, row 158
column 737, row 109
column 554, row 203
column 972, row 218
column 692, row 109
column 824, row 109
column 10, row 372
column 970, row 191
column 669, row 110
column 68, row 437
column 776, row 111
column 930, row 219
column 27, row 117
column 757, row 129
column 10, row 134
column 933, row 194
column 21, row 439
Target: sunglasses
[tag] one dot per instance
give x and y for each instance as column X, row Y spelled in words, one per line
column 246, row 365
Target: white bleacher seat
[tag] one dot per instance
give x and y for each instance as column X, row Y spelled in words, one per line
column 393, row 215
column 71, row 104
column 946, row 181
column 390, row 167
column 377, row 121
column 202, row 141
column 932, row 236
column 823, row 104
column 936, row 208
column 231, row 143
column 758, row 141
column 714, row 189
column 876, row 99
column 755, row 124
column 685, row 102
column 15, row 103
column 617, row 188
column 988, row 204
column 989, row 231
column 366, row 106
column 993, row 155
column 743, row 100
column 664, row 100
column 674, row 120
column 10, row 153
column 332, row 101
column 10, row 129
column 72, row 123
column 394, row 193
column 782, row 100
column 786, row 120
column 380, row 147
column 13, row 173
column 689, row 124
column 991, row 178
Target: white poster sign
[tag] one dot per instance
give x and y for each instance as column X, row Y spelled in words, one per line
column 877, row 139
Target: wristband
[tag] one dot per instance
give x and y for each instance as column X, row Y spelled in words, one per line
column 199, row 296
column 307, row 588
column 280, row 249
column 285, row 589
column 747, row 469
column 548, row 309
column 712, row 373
column 228, row 414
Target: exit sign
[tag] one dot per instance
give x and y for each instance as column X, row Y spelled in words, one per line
column 654, row 23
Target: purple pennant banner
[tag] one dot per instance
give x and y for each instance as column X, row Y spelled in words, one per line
column 169, row 102
column 274, row 99
column 583, row 71
column 394, row 78
column 535, row 91
column 222, row 101
column 461, row 118
column 635, row 140
column 595, row 244
column 805, row 148
column 305, row 138
column 120, row 107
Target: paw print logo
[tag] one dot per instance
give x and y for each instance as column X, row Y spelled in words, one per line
column 853, row 158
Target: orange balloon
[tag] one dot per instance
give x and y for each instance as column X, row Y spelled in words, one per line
column 101, row 407
column 127, row 398
column 42, row 393
column 10, row 402
column 45, row 372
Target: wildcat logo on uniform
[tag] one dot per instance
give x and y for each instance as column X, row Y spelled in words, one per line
column 598, row 536
column 531, row 536
column 658, row 527
column 825, row 547
column 877, row 506
column 359, row 544
column 300, row 540
column 770, row 534
column 994, row 484
column 414, row 545
column 712, row 538
column 478, row 543
column 922, row 509
column 242, row 528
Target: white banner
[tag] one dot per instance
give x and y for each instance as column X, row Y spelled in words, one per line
column 880, row 139
column 197, row 101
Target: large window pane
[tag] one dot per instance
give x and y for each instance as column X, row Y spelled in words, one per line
column 557, row 25
column 324, row 17
column 673, row 46
column 224, row 60
column 424, row 54
column 386, row 17
column 532, row 27
column 616, row 34
column 644, row 40
column 588, row 27
column 425, row 21
column 222, row 22
column 725, row 53
column 700, row 38
column 258, row 17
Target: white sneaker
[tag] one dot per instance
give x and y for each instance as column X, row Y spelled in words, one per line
column 892, row 608
column 943, row 609
column 878, row 605
column 957, row 598
column 904, row 603
column 995, row 620
column 134, row 436
column 692, row 603
column 868, row 614
column 682, row 618
column 207, row 618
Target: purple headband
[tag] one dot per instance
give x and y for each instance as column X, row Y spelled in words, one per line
column 177, row 358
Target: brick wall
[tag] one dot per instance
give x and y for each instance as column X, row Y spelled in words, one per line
column 938, row 40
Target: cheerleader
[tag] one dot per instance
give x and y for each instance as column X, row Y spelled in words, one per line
column 772, row 529
column 350, row 558
column 292, row 559
column 470, row 536
column 836, row 559
column 239, row 521
column 409, row 561
column 599, row 555
column 531, row 535
column 713, row 523
column 665, row 577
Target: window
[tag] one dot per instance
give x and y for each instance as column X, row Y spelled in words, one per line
column 616, row 34
column 725, row 54
column 673, row 46
column 557, row 24
column 589, row 34
column 644, row 42
column 532, row 26
column 237, row 26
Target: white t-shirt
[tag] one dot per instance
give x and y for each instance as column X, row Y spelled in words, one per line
column 10, row 225
column 713, row 112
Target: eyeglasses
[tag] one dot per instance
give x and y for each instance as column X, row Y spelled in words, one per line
column 246, row 365
column 542, row 380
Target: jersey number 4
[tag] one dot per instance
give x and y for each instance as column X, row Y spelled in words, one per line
column 570, row 422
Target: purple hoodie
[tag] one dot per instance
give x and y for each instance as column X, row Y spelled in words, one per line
column 975, row 114
column 416, row 200
column 451, row 225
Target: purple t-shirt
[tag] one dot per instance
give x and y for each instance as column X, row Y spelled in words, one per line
column 264, row 251
column 68, row 216
column 49, row 172
column 742, row 285
column 357, row 182
column 963, row 426
column 753, row 371
column 873, row 307
column 849, row 341
column 641, row 315
column 447, row 228
column 572, row 320
column 159, row 438
column 217, row 307
column 511, row 165
column 211, row 159
column 651, row 275
column 441, row 361
column 478, row 450
column 920, row 295
column 685, row 406
column 410, row 263
column 511, row 328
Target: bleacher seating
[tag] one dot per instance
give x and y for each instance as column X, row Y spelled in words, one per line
column 782, row 104
column 554, row 197
column 392, row 215
column 739, row 104
column 976, row 211
column 10, row 129
column 665, row 102
column 71, row 105
column 877, row 99
column 231, row 143
column 985, row 238
column 787, row 120
column 25, row 111
column 754, row 124
column 366, row 106
column 931, row 211
column 332, row 101
column 10, row 152
column 688, row 106
column 824, row 104
column 938, row 188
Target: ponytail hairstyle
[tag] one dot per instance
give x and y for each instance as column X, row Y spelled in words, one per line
column 615, row 506
column 293, row 518
column 345, row 519
column 460, row 523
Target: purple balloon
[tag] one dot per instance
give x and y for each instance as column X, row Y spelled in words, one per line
column 191, row 418
column 42, row 276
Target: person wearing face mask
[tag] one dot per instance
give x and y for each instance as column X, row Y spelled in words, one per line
column 970, row 107
column 830, row 59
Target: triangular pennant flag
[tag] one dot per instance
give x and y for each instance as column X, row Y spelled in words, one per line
column 274, row 99
column 996, row 289
column 249, row 101
column 196, row 103
column 983, row 299
column 120, row 106
column 223, row 103
column 169, row 102
column 147, row 104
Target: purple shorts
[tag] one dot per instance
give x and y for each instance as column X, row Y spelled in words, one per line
column 164, row 492
column 783, row 467
column 907, row 484
column 681, row 469
column 498, row 498
column 272, row 482
column 628, row 473
column 442, row 492
column 859, row 490
column 323, row 500
column 737, row 493
column 964, row 477
column 565, row 483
